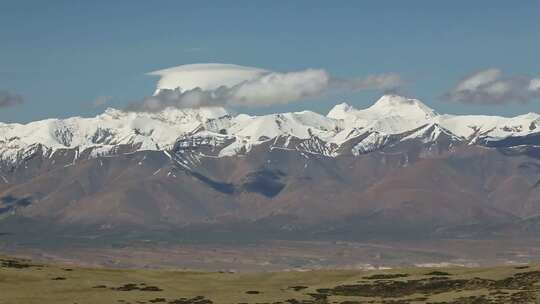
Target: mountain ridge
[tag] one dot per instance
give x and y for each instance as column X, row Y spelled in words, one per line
column 390, row 115
column 205, row 173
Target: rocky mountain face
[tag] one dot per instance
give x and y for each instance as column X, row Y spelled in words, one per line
column 395, row 169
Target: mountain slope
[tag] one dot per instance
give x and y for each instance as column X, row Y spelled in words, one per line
column 396, row 169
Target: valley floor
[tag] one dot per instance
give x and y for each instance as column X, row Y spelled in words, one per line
column 276, row 255
column 25, row 281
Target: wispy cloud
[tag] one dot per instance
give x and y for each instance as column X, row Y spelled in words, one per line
column 229, row 85
column 492, row 86
column 193, row 49
column 387, row 81
column 101, row 101
column 9, row 99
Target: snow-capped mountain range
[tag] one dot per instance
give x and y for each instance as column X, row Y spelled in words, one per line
column 230, row 135
column 395, row 168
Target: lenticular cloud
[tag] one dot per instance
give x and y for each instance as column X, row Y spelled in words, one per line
column 214, row 84
column 207, row 76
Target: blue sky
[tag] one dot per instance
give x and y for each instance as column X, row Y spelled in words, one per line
column 62, row 55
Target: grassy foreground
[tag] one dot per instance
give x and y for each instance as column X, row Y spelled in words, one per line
column 22, row 281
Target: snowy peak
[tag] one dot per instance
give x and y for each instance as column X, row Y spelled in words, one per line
column 395, row 105
column 105, row 132
column 432, row 132
column 172, row 115
column 387, row 105
column 391, row 116
column 340, row 111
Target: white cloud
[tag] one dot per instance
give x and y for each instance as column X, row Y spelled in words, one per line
column 479, row 79
column 534, row 85
column 491, row 86
column 280, row 88
column 199, row 85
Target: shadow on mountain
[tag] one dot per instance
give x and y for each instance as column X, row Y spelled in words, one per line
column 226, row 188
column 265, row 182
column 10, row 202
